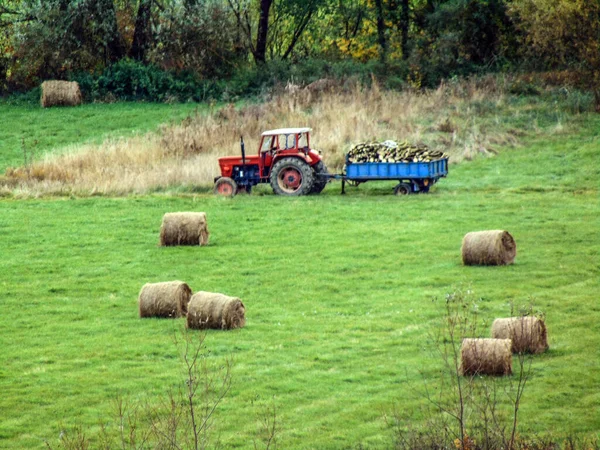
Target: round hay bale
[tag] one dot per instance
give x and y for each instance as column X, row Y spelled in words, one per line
column 488, row 248
column 486, row 357
column 528, row 334
column 217, row 311
column 167, row 299
column 184, row 228
column 60, row 93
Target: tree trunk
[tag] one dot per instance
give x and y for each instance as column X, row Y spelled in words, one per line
column 381, row 31
column 114, row 48
column 263, row 29
column 404, row 24
column 141, row 34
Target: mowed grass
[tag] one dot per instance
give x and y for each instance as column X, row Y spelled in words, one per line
column 40, row 130
column 342, row 294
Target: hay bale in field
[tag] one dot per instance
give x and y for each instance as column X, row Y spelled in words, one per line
column 488, row 248
column 528, row 334
column 60, row 93
column 184, row 228
column 486, row 357
column 218, row 311
column 167, row 299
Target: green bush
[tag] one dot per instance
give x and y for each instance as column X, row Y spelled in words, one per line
column 130, row 80
column 133, row 81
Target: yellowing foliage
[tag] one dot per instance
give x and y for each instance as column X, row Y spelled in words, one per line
column 563, row 32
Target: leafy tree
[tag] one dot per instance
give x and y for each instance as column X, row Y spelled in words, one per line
column 290, row 22
column 274, row 27
column 470, row 30
column 562, row 33
column 198, row 37
column 457, row 37
column 245, row 14
column 52, row 38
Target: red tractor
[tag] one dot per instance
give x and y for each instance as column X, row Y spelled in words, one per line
column 284, row 159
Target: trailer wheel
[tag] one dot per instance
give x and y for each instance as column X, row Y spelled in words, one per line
column 320, row 182
column 291, row 176
column 403, row 189
column 225, row 187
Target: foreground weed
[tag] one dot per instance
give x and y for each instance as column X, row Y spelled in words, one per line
column 183, row 419
column 468, row 411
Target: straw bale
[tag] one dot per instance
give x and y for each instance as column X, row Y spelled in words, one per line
column 184, row 228
column 213, row 310
column 486, row 357
column 167, row 299
column 60, row 93
column 528, row 334
column 488, row 248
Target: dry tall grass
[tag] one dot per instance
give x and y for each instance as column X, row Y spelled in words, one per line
column 460, row 119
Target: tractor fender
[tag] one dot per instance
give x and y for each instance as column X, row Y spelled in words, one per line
column 314, row 156
column 311, row 158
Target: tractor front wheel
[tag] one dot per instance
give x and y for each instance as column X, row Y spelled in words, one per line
column 292, row 177
column 225, row 187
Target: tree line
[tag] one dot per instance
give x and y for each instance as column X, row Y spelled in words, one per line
column 422, row 40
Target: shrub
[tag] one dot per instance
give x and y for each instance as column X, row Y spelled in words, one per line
column 132, row 80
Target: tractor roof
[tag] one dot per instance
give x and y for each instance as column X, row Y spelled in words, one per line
column 286, row 131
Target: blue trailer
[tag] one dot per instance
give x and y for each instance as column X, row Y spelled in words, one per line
column 412, row 177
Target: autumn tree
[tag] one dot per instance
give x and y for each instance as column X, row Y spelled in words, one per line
column 563, row 33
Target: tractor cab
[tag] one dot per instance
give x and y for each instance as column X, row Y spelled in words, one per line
column 284, row 159
column 285, row 141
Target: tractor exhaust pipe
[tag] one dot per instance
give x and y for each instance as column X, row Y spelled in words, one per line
column 243, row 169
column 243, row 150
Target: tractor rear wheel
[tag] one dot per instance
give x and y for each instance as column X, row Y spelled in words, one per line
column 225, row 187
column 291, row 176
column 320, row 182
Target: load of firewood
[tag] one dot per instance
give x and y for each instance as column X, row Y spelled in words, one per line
column 392, row 152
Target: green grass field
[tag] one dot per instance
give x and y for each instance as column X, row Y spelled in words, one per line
column 341, row 293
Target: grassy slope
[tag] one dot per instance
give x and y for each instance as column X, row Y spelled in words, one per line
column 338, row 292
column 58, row 127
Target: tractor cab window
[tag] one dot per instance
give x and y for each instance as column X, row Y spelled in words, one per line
column 287, row 141
column 303, row 140
column 268, row 143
